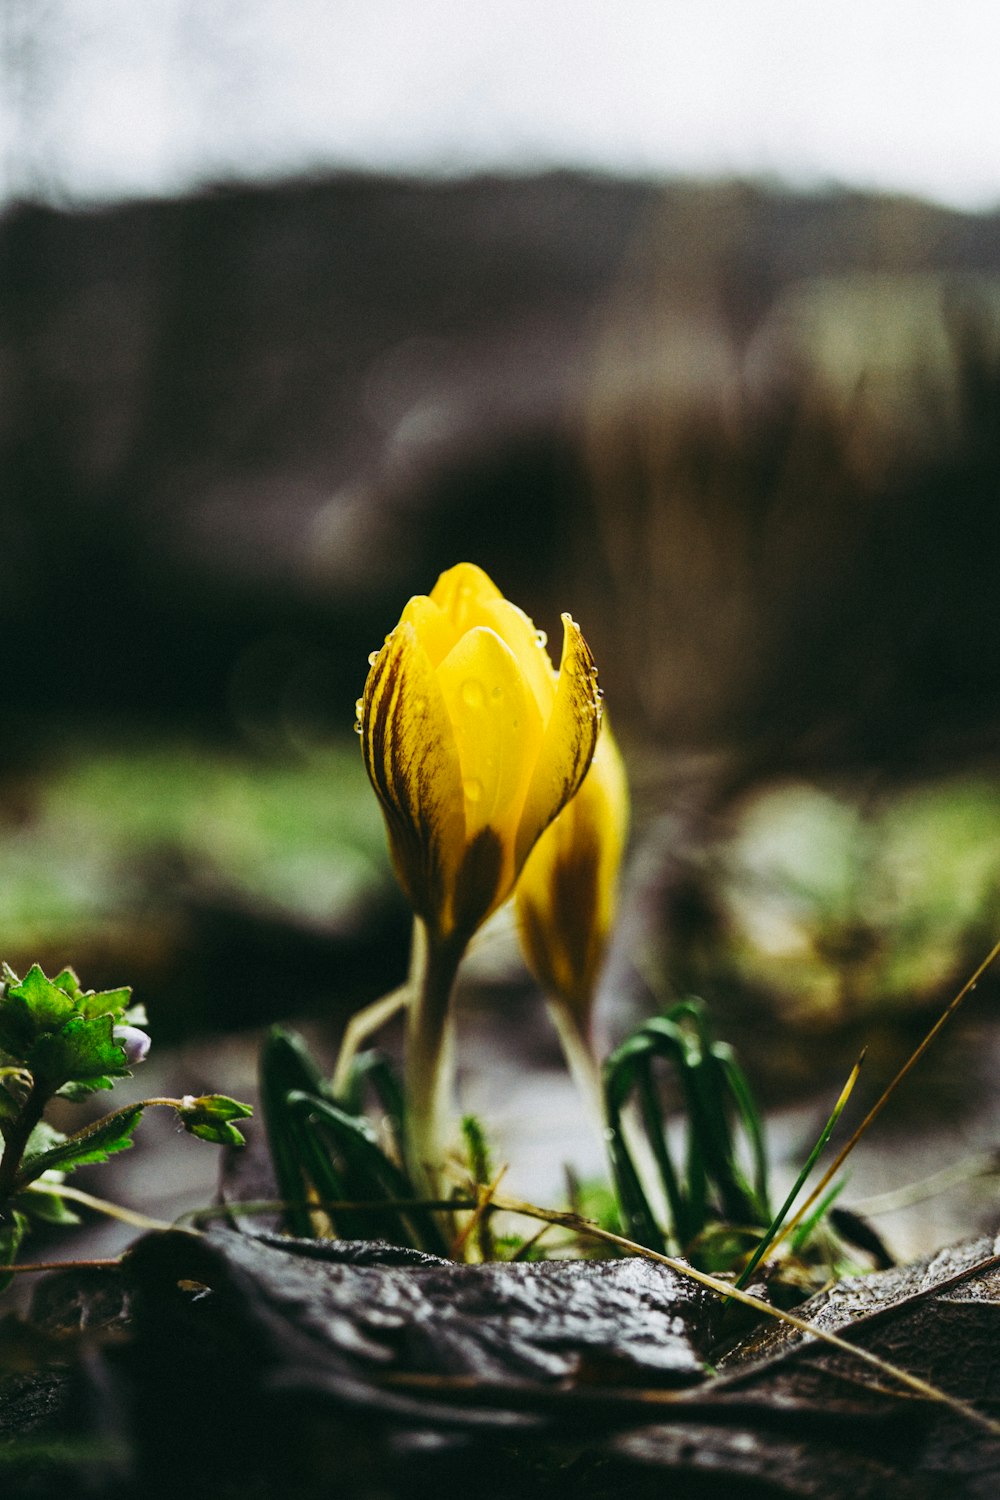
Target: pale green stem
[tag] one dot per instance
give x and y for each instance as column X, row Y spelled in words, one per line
column 372, row 1017
column 361, row 1026
column 578, row 1050
column 428, row 1070
column 584, row 1068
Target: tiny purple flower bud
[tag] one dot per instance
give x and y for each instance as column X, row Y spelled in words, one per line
column 133, row 1042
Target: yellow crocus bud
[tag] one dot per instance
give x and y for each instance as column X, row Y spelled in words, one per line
column 473, row 744
column 567, row 890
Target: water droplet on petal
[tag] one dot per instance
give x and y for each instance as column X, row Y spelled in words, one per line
column 359, row 707
column 473, row 693
column 496, row 693
column 420, row 705
column 541, row 638
column 357, row 727
column 372, row 658
column 473, row 789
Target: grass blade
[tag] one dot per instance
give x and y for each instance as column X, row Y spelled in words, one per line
column 774, row 1228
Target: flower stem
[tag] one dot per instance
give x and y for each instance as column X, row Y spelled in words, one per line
column 578, row 1050
column 428, row 1066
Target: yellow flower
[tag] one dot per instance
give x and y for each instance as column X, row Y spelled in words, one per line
column 473, row 744
column 567, row 890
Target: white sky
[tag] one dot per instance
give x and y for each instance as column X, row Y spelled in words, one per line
column 139, row 96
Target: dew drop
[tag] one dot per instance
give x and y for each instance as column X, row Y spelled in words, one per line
column 420, row 705
column 473, row 693
column 473, row 789
column 357, row 727
column 372, row 658
column 496, row 693
column 359, row 707
column 541, row 639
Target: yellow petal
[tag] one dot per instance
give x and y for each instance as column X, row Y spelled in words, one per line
column 569, row 741
column 461, row 592
column 515, row 628
column 412, row 760
column 567, row 890
column 434, row 628
column 498, row 730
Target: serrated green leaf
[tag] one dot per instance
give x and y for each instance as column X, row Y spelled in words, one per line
column 49, row 1004
column 105, row 1003
column 37, row 1026
column 67, row 981
column 84, row 1051
column 30, row 1009
column 95, row 1143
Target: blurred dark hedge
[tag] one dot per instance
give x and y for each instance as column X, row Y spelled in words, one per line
column 750, row 438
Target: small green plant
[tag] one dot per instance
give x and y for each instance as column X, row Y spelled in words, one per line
column 711, row 1190
column 336, row 1171
column 58, row 1040
column 716, row 1201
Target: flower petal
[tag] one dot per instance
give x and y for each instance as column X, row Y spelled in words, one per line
column 515, row 628
column 462, row 592
column 435, row 630
column 498, row 730
column 566, row 892
column 468, row 597
column 412, row 760
column 569, row 741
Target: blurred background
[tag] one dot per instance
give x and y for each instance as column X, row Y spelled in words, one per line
column 684, row 318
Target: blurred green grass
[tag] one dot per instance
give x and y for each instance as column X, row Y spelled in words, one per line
column 126, row 860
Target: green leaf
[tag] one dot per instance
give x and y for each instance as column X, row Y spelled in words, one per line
column 373, row 1069
column 286, row 1065
column 92, row 1002
column 62, row 1033
column 12, row 1227
column 43, row 1200
column 105, row 1003
column 81, row 1088
column 209, row 1117
column 84, row 1051
column 95, row 1143
column 368, row 1176
column 29, row 1009
column 43, row 1138
column 68, row 981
